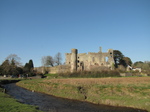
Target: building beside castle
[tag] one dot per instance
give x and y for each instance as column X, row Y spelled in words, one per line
column 90, row 61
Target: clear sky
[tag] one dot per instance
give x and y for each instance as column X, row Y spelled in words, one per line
column 36, row 28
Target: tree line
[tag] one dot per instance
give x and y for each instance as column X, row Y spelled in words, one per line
column 12, row 65
column 145, row 66
column 121, row 60
column 49, row 61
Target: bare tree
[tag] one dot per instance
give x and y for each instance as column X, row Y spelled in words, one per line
column 14, row 59
column 47, row 61
column 58, row 58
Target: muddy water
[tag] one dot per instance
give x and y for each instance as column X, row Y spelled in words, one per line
column 49, row 103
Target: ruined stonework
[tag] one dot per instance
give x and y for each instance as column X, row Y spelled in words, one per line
column 90, row 61
column 82, row 62
column 53, row 70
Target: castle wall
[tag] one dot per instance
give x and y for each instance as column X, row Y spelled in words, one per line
column 68, row 58
column 53, row 70
column 88, row 61
column 83, row 61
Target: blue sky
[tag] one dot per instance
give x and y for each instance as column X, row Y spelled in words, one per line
column 36, row 28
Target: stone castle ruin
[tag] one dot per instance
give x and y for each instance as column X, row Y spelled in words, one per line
column 83, row 62
column 92, row 60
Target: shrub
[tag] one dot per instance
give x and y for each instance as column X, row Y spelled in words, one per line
column 91, row 74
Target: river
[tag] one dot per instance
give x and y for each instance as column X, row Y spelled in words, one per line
column 50, row 103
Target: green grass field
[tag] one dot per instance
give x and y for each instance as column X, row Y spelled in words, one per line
column 130, row 92
column 9, row 104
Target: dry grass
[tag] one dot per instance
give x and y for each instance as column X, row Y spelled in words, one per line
column 102, row 81
column 90, row 74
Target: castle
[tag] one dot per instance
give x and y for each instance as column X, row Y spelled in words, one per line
column 84, row 61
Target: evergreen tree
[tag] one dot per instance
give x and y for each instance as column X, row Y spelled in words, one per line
column 11, row 66
column 125, row 61
column 5, row 67
column 1, row 70
column 31, row 66
column 117, row 57
column 28, row 68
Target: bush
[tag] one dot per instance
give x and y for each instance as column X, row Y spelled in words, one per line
column 51, row 75
column 91, row 74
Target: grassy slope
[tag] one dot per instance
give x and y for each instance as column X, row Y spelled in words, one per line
column 8, row 104
column 130, row 92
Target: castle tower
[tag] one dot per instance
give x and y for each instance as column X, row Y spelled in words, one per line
column 111, row 57
column 74, row 60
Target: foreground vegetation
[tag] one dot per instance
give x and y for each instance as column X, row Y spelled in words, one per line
column 129, row 91
column 8, row 104
column 90, row 74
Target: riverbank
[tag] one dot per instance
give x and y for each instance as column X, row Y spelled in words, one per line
column 129, row 92
column 9, row 104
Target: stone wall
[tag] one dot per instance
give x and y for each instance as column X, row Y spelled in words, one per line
column 83, row 62
column 53, row 70
column 87, row 61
